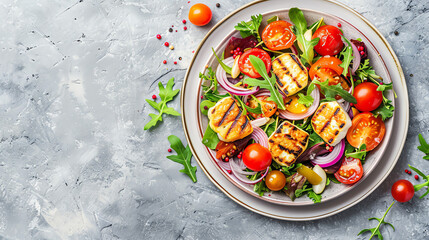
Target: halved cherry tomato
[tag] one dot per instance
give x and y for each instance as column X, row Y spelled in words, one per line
column 268, row 107
column 367, row 96
column 200, row 14
column 246, row 66
column 330, row 42
column 278, row 35
column 350, row 171
column 366, row 129
column 292, row 105
column 325, row 68
column 275, row 180
column 256, row 157
column 402, row 190
column 225, row 149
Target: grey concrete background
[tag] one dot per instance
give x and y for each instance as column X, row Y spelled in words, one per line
column 75, row 162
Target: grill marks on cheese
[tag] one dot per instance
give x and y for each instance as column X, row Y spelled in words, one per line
column 331, row 122
column 291, row 74
column 227, row 120
column 287, row 143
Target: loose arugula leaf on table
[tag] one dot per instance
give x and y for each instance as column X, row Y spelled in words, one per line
column 250, row 28
column 307, row 100
column 223, row 65
column 268, row 82
column 210, row 138
column 421, row 185
column 359, row 153
column 330, row 91
column 300, row 28
column 346, row 56
column 424, row 147
column 376, row 231
column 166, row 94
column 183, row 157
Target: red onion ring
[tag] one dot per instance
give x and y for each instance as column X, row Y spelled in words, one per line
column 356, row 58
column 259, row 121
column 238, row 168
column 259, row 136
column 344, row 104
column 332, row 158
column 223, row 165
column 244, row 179
column 224, row 83
column 293, row 49
column 293, row 116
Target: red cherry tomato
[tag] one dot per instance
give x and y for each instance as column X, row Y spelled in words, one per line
column 200, row 14
column 256, row 157
column 330, row 42
column 278, row 35
column 402, row 190
column 366, row 129
column 246, row 66
column 367, row 96
column 350, row 171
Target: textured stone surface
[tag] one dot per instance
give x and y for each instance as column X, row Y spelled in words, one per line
column 76, row 163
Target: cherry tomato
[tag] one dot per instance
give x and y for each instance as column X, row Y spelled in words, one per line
column 225, row 149
column 292, row 105
column 326, row 68
column 246, row 66
column 367, row 96
column 275, row 180
column 268, row 107
column 350, row 171
column 278, row 35
column 402, row 190
column 256, row 157
column 366, row 129
column 330, row 42
column 200, row 14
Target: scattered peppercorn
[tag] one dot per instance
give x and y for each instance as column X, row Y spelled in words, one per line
column 406, row 170
column 171, row 47
column 241, row 76
column 416, row 177
column 185, row 28
column 360, row 48
column 169, row 150
column 246, row 85
column 218, row 5
column 396, row 33
column 409, row 172
column 180, row 58
column 170, row 30
column 158, row 36
column 184, row 21
column 153, row 96
column 227, row 159
column 362, row 53
column 206, row 108
column 165, row 61
column 339, row 24
column 411, row 75
column 229, row 171
column 202, row 97
column 239, row 156
column 175, row 62
column 166, row 44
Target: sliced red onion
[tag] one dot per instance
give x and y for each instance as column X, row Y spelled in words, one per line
column 227, row 85
column 259, row 121
column 331, row 158
column 294, row 116
column 356, row 58
column 237, row 166
column 260, row 136
column 309, row 154
column 350, row 112
column 293, row 49
column 224, row 165
column 344, row 104
column 244, row 179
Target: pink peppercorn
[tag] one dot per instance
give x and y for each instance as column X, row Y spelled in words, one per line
column 166, row 44
column 169, row 150
column 184, row 21
column 158, row 36
column 165, row 61
column 339, row 24
column 153, row 96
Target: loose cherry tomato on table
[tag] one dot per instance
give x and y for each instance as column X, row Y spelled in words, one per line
column 246, row 66
column 268, row 107
column 275, row 180
column 278, row 35
column 402, row 190
column 330, row 42
column 367, row 96
column 200, row 14
column 366, row 129
column 350, row 171
column 256, row 157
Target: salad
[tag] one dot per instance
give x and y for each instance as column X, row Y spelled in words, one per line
column 293, row 106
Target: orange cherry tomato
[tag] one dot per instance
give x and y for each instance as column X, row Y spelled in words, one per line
column 278, row 35
column 268, row 107
column 366, row 129
column 275, row 180
column 200, row 14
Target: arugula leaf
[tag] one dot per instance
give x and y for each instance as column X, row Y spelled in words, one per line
column 250, row 28
column 376, row 231
column 211, row 77
column 260, row 188
column 183, row 157
column 288, row 171
column 257, row 110
column 267, row 83
column 304, row 189
column 347, row 56
column 208, row 104
column 307, row 100
column 272, row 19
column 306, row 43
column 317, row 198
column 214, row 97
column 385, row 110
column 314, row 139
column 365, row 72
column 421, row 185
column 166, row 94
column 386, row 86
column 330, row 91
column 223, row 65
column 424, row 147
column 359, row 153
column 210, row 138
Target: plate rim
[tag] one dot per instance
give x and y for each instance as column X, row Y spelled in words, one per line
column 230, row 195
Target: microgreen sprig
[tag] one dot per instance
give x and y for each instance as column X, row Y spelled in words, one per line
column 376, row 231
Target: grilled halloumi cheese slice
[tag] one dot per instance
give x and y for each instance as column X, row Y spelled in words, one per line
column 227, row 120
column 291, row 74
column 331, row 122
column 287, row 143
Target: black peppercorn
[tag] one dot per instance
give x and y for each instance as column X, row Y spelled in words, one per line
column 218, row 5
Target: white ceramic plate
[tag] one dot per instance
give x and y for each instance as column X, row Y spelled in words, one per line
column 379, row 163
